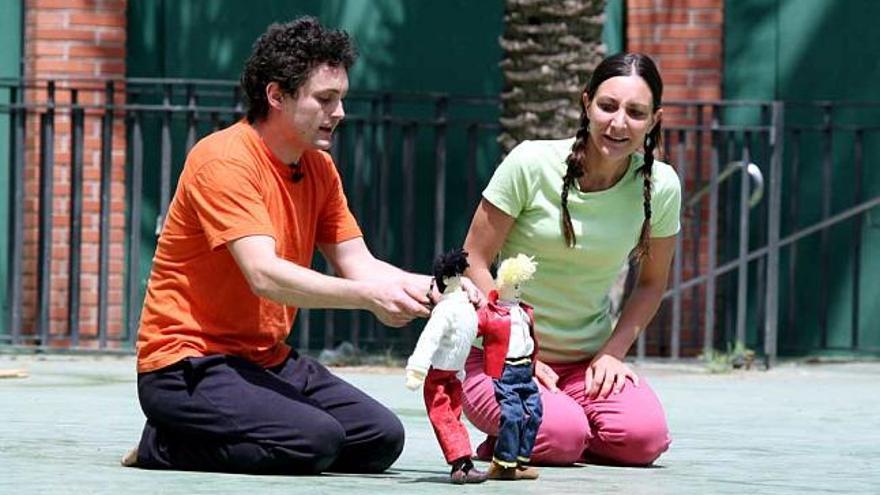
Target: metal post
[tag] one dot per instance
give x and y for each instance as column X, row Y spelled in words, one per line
column 858, row 197
column 76, row 203
column 106, row 183
column 678, row 262
column 47, row 166
column 136, row 180
column 16, row 160
column 774, row 208
column 742, row 276
column 440, row 112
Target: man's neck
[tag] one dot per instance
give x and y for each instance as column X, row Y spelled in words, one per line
column 276, row 141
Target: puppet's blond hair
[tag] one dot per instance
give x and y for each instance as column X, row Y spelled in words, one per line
column 516, row 270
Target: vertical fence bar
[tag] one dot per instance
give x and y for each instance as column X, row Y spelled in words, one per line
column 677, row 263
column 774, row 204
column 384, row 176
column 136, row 180
column 165, row 160
column 191, row 117
column 824, row 248
column 329, row 317
column 440, row 113
column 742, row 277
column 709, row 314
column 408, row 230
column 18, row 116
column 47, row 167
column 359, row 157
column 384, row 192
column 858, row 197
column 409, row 195
column 305, row 328
column 729, row 219
column 106, row 183
column 472, row 135
column 77, row 121
column 793, row 205
column 697, row 222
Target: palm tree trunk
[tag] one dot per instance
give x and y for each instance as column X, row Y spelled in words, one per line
column 550, row 50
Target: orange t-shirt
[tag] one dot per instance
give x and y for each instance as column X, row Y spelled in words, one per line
column 198, row 301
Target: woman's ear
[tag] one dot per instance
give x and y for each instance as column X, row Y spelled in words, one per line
column 274, row 95
column 657, row 118
column 585, row 99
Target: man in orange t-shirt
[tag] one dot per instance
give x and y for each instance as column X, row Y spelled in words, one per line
column 220, row 388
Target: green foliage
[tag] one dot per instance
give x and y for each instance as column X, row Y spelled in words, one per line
column 737, row 356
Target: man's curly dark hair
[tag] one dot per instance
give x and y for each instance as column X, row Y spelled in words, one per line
column 287, row 53
column 449, row 265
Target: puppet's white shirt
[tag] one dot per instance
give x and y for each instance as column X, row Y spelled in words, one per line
column 446, row 340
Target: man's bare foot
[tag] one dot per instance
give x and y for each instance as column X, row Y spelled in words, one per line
column 130, row 459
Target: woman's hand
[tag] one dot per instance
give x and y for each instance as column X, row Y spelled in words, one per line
column 607, row 374
column 475, row 295
column 546, row 376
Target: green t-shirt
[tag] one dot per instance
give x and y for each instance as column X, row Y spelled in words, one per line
column 570, row 288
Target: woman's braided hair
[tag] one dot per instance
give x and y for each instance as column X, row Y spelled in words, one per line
column 623, row 64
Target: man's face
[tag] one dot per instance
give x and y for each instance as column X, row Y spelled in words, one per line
column 315, row 110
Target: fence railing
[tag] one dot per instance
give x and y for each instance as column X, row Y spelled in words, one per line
column 92, row 167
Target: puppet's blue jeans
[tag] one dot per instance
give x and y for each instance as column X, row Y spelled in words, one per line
column 521, row 412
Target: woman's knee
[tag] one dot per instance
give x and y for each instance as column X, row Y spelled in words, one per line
column 561, row 442
column 638, row 444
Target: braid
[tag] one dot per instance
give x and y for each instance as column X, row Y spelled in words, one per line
column 574, row 170
column 651, row 140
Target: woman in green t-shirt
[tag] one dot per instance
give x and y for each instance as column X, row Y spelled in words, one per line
column 582, row 207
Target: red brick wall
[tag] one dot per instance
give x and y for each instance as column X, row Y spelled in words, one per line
column 77, row 43
column 685, row 38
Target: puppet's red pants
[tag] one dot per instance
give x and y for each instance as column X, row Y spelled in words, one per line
column 443, row 401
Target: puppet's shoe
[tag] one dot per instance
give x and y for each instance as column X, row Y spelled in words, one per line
column 526, row 472
column 499, row 472
column 463, row 471
column 485, row 449
column 130, row 459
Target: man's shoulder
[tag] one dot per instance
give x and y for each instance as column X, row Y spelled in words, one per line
column 230, row 144
column 317, row 160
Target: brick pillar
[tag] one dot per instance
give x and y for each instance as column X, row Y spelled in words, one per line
column 78, row 44
column 685, row 38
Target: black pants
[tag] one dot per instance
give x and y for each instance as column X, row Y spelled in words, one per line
column 223, row 413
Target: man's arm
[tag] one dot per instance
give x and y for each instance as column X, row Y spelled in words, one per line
column 352, row 259
column 288, row 283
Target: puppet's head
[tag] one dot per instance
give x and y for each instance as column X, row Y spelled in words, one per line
column 448, row 269
column 512, row 273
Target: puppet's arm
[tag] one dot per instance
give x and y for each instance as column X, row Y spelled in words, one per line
column 429, row 341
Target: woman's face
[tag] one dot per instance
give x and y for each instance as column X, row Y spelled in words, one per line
column 620, row 116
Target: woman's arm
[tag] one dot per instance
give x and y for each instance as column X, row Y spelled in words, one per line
column 607, row 371
column 489, row 229
column 487, row 233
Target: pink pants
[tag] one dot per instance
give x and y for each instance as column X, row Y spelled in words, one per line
column 628, row 428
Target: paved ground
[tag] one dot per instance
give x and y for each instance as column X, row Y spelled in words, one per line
column 796, row 429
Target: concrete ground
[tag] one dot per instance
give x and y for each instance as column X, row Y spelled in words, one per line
column 795, row 429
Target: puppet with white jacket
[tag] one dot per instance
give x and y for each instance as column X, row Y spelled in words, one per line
column 438, row 361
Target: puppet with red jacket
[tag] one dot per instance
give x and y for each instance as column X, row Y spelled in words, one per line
column 438, row 361
column 506, row 325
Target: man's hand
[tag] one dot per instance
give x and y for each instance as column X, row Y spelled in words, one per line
column 393, row 304
column 607, row 374
column 546, row 376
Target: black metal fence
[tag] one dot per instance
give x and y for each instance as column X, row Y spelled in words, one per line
column 413, row 167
